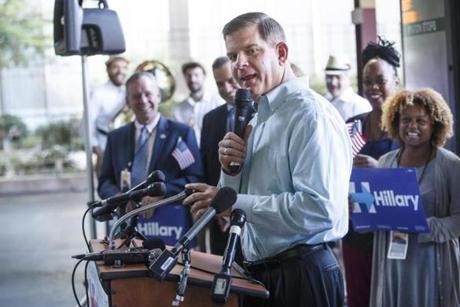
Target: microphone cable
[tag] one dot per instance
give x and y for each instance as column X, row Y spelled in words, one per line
column 86, row 283
column 83, row 227
column 85, row 238
column 73, row 282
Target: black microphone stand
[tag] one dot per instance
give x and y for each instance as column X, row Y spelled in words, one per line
column 182, row 284
column 130, row 232
column 136, row 211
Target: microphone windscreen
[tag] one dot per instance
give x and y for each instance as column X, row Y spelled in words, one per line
column 153, row 244
column 224, row 199
column 238, row 217
column 157, row 189
column 156, row 176
column 242, row 96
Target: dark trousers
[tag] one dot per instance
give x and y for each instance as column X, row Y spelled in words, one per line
column 358, row 268
column 304, row 276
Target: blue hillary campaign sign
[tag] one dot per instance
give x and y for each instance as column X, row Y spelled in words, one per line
column 386, row 199
column 168, row 223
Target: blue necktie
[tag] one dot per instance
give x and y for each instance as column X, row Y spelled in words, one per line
column 139, row 169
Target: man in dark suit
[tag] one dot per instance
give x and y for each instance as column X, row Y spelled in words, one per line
column 150, row 143
column 215, row 124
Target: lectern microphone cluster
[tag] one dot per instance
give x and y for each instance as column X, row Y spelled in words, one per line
column 159, row 260
column 223, row 200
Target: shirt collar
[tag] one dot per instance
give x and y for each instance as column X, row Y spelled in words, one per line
column 270, row 101
column 120, row 88
column 206, row 97
column 229, row 106
column 150, row 126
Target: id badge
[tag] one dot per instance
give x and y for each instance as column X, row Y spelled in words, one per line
column 125, row 182
column 397, row 249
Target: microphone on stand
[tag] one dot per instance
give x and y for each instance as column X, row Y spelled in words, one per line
column 223, row 200
column 108, row 205
column 244, row 111
column 154, row 177
column 178, row 197
column 223, row 281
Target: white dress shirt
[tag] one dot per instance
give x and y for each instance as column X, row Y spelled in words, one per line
column 105, row 102
column 349, row 104
column 191, row 112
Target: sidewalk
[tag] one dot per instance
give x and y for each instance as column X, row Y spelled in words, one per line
column 39, row 234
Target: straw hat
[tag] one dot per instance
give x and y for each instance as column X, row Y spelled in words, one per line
column 337, row 65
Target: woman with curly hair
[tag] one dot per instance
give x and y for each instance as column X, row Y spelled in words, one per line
column 380, row 80
column 430, row 274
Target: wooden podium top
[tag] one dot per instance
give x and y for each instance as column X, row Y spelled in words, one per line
column 203, row 268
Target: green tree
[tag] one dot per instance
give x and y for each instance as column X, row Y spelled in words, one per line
column 66, row 133
column 21, row 33
column 11, row 128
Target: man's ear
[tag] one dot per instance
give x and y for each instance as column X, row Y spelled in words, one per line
column 282, row 50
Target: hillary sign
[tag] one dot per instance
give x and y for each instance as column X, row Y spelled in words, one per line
column 168, row 223
column 386, row 199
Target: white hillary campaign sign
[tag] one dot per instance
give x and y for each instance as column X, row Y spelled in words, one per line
column 386, row 199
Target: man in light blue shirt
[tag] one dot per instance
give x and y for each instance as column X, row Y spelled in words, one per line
column 296, row 166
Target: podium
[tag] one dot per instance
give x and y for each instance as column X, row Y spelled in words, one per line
column 131, row 285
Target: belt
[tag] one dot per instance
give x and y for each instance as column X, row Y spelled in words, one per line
column 277, row 260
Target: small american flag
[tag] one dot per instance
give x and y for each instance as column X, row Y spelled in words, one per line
column 357, row 139
column 183, row 155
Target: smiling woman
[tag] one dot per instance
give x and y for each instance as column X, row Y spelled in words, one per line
column 422, row 121
column 428, row 104
column 415, row 127
column 380, row 81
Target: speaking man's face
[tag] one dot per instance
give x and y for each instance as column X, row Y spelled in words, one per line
column 255, row 63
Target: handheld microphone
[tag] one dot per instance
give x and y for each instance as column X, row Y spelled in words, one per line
column 108, row 205
column 244, row 112
column 223, row 200
column 150, row 251
column 223, row 281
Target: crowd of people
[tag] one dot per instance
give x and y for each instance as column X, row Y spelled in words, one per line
column 297, row 162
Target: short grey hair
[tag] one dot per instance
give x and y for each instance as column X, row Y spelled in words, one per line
column 269, row 28
column 139, row 75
